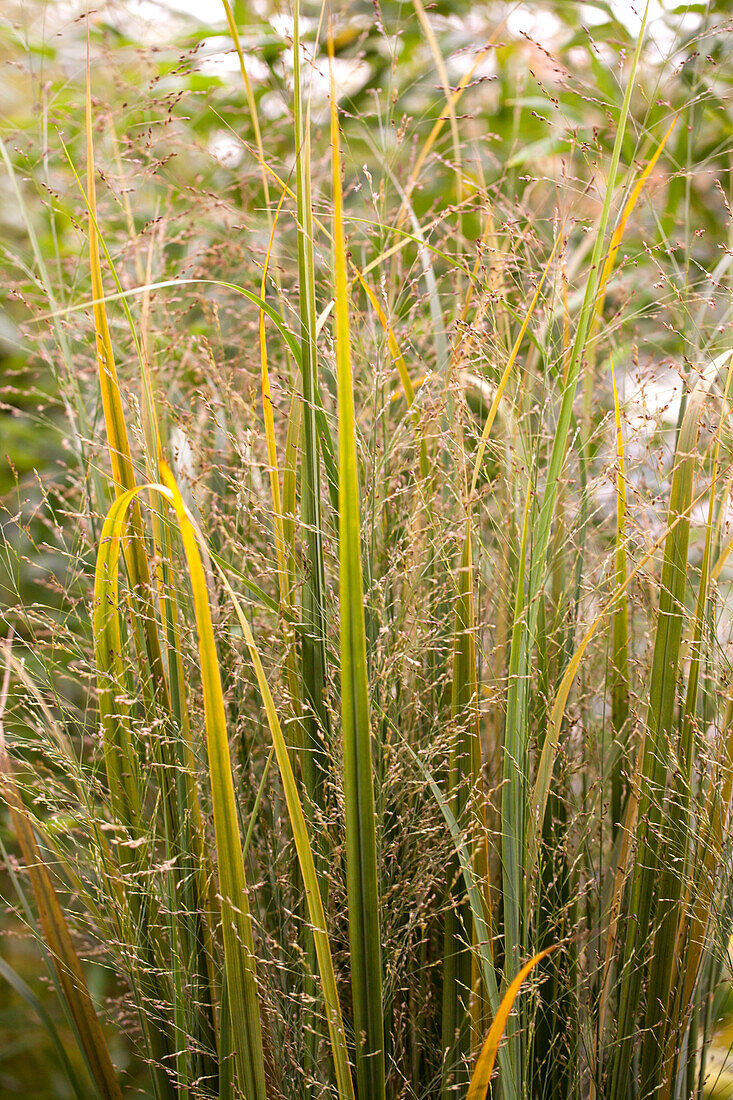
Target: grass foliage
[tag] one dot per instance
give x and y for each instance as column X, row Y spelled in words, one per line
column 366, row 727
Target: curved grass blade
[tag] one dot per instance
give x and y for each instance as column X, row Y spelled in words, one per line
column 162, row 284
column 181, row 810
column 123, row 470
column 236, row 921
column 479, row 1086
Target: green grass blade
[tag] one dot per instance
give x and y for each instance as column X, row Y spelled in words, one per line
column 361, row 840
column 559, row 445
column 314, row 727
column 517, row 852
column 541, row 786
column 313, row 643
column 514, row 794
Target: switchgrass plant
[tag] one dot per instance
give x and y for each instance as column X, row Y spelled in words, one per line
column 375, row 740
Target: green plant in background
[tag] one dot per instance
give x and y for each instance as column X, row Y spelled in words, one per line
column 336, row 761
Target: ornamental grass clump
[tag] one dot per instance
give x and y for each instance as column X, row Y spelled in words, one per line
column 374, row 739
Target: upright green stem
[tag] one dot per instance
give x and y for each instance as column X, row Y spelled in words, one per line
column 361, row 835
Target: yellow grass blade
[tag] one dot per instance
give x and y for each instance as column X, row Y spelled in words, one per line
column 450, row 100
column 484, row 1067
column 236, row 921
column 267, row 413
column 123, row 471
column 605, row 275
column 119, row 446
